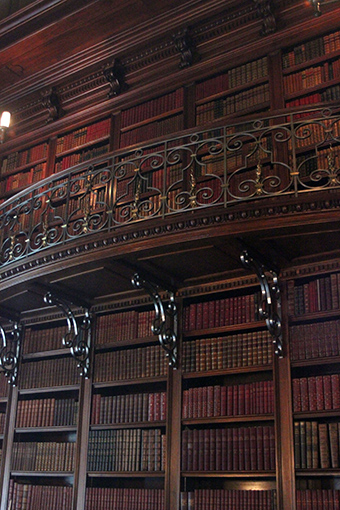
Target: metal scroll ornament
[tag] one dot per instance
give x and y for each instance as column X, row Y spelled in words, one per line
column 9, row 353
column 165, row 322
column 270, row 305
column 77, row 339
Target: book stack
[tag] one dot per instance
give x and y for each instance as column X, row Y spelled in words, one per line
column 221, row 312
column 316, row 445
column 152, row 108
column 43, row 456
column 83, row 136
column 236, row 77
column 4, row 386
column 126, row 450
column 317, row 295
column 24, row 496
column 312, row 49
column 49, row 373
column 315, row 340
column 48, row 339
column 49, row 412
column 130, row 364
column 316, row 393
column 23, row 158
column 220, row 353
column 154, row 129
column 108, row 498
column 116, row 327
column 129, row 408
column 235, row 400
column 228, row 499
column 317, row 499
column 231, row 449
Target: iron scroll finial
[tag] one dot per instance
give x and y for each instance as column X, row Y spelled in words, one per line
column 9, row 352
column 270, row 305
column 165, row 321
column 77, row 338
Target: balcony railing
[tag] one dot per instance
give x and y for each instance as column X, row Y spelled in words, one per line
column 289, row 154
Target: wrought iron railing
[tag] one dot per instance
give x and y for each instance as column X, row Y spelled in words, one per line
column 288, row 154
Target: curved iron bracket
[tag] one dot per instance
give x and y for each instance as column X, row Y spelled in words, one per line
column 9, row 352
column 77, row 338
column 270, row 306
column 165, row 322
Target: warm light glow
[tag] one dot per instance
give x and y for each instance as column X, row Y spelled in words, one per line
column 5, row 119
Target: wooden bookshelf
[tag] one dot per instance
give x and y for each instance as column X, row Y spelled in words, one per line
column 313, row 305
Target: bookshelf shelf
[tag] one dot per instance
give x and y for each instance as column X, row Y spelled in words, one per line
column 229, row 474
column 150, row 120
column 257, row 325
column 49, row 389
column 48, row 430
column 228, row 419
column 78, row 148
column 43, row 474
column 129, row 425
column 125, row 474
column 229, row 371
column 126, row 343
column 128, row 382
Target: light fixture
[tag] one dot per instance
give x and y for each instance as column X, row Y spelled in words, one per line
column 5, row 120
column 318, row 3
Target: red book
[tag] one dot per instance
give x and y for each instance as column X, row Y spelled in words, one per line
column 311, row 382
column 235, row 449
column 327, row 391
column 319, row 393
column 304, row 394
column 253, row 458
column 212, row 450
column 241, row 462
column 335, row 384
column 259, row 448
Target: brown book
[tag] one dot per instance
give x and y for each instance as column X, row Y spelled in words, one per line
column 325, row 461
column 334, row 444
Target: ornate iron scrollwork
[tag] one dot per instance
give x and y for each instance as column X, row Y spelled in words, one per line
column 165, row 322
column 77, row 339
column 270, row 306
column 9, row 352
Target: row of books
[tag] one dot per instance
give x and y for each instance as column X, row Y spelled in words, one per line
column 43, row 456
column 124, row 326
column 76, row 207
column 232, row 104
column 83, row 136
column 4, row 386
column 234, row 400
column 304, row 101
column 24, row 496
column 79, row 157
column 126, row 450
column 312, row 49
column 128, row 408
column 47, row 339
column 316, row 445
column 23, row 179
column 313, row 133
column 234, row 351
column 47, row 412
column 130, row 364
column 228, row 499
column 231, row 449
column 311, row 77
column 308, row 163
column 109, row 498
column 25, row 157
column 152, row 108
column 2, row 422
column 317, row 499
column 316, row 393
column 221, row 312
column 48, row 373
column 315, row 340
column 236, row 77
column 318, row 295
column 155, row 129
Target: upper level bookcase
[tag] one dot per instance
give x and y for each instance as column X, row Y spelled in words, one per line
column 311, row 71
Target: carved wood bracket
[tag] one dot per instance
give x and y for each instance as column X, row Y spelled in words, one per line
column 50, row 101
column 185, row 46
column 9, row 352
column 270, row 305
column 77, row 338
column 264, row 10
column 114, row 73
column 165, row 322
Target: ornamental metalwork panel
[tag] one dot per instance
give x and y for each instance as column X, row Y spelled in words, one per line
column 288, row 154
